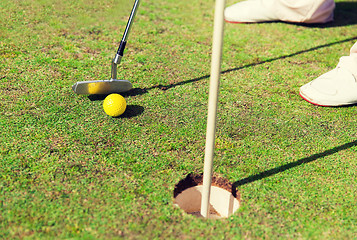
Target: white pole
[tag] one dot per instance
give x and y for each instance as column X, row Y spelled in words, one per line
column 212, row 104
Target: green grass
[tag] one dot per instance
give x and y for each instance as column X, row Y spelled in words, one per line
column 68, row 171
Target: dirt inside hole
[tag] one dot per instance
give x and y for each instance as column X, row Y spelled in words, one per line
column 225, row 198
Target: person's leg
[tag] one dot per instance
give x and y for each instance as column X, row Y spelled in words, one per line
column 299, row 11
column 353, row 50
column 337, row 87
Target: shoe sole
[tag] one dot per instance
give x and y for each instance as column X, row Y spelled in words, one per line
column 271, row 21
column 236, row 22
column 325, row 105
column 307, row 100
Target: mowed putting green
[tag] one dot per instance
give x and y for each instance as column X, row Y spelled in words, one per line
column 67, row 170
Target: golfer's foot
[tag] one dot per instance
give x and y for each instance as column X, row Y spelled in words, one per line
column 337, row 87
column 308, row 11
column 250, row 11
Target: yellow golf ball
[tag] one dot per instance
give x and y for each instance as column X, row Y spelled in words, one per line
column 114, row 105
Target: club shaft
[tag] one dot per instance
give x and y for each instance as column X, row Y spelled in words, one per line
column 130, row 20
column 118, row 56
column 212, row 105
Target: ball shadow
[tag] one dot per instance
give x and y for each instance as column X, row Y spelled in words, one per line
column 132, row 111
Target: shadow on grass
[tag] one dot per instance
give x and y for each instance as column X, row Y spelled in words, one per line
column 141, row 91
column 273, row 171
column 132, row 111
column 99, row 97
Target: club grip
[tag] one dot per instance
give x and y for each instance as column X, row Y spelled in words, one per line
column 121, row 48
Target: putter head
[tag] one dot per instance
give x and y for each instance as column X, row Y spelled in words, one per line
column 102, row 86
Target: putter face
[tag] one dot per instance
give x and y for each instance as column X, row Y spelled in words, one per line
column 102, row 86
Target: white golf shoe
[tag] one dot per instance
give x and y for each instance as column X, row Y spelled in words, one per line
column 337, row 87
column 250, row 11
column 302, row 11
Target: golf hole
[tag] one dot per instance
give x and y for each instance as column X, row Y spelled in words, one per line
column 224, row 200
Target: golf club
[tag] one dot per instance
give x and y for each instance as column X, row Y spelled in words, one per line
column 113, row 85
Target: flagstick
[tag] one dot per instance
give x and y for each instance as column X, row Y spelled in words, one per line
column 212, row 104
